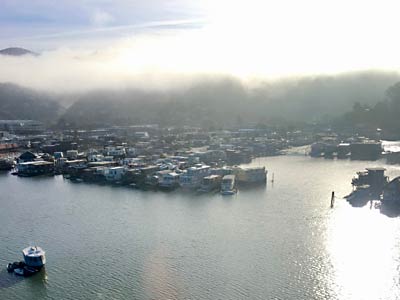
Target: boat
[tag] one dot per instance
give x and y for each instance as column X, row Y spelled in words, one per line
column 368, row 185
column 19, row 271
column 228, row 185
column 168, row 180
column 34, row 261
column 15, row 265
column 192, row 178
column 373, row 179
column 26, row 271
column 210, row 183
column 34, row 256
column 246, row 177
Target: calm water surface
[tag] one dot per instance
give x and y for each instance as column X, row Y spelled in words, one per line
column 282, row 242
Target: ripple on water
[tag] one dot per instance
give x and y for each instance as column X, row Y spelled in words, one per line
column 282, row 242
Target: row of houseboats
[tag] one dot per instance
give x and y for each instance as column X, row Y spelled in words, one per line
column 200, row 178
column 164, row 173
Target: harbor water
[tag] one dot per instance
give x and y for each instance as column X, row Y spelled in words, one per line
column 282, row 241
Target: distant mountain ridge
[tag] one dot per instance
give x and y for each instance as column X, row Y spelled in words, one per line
column 16, row 51
column 216, row 102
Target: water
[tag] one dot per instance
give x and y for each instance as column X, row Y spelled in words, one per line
column 283, row 242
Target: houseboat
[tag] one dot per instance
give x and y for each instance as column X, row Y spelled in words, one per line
column 168, row 180
column 228, row 185
column 251, row 176
column 372, row 178
column 368, row 185
column 191, row 179
column 114, row 174
column 366, row 150
column 210, row 183
column 35, row 168
column 34, row 256
column 34, row 261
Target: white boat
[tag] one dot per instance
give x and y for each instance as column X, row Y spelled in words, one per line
column 34, row 256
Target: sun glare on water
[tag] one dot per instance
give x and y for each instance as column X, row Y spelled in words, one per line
column 363, row 245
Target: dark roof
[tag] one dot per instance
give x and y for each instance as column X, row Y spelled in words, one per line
column 27, row 155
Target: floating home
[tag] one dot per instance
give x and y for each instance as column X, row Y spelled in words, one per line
column 373, row 178
column 210, row 183
column 250, row 176
column 367, row 150
column 192, row 177
column 228, row 185
column 367, row 185
column 35, row 168
column 168, row 180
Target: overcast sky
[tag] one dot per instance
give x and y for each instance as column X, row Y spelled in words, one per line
column 245, row 38
column 49, row 24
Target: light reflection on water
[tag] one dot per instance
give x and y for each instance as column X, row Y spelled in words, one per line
column 283, row 242
column 363, row 246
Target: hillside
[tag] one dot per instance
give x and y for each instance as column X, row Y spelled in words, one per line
column 21, row 103
column 227, row 102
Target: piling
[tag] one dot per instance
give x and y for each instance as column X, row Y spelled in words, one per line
column 333, row 199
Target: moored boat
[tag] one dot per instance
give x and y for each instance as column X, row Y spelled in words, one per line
column 34, row 261
column 228, row 185
column 246, row 177
column 34, row 256
column 210, row 183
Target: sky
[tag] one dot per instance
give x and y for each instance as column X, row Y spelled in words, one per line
column 124, row 41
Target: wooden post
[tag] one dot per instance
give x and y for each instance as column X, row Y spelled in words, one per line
column 333, row 199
